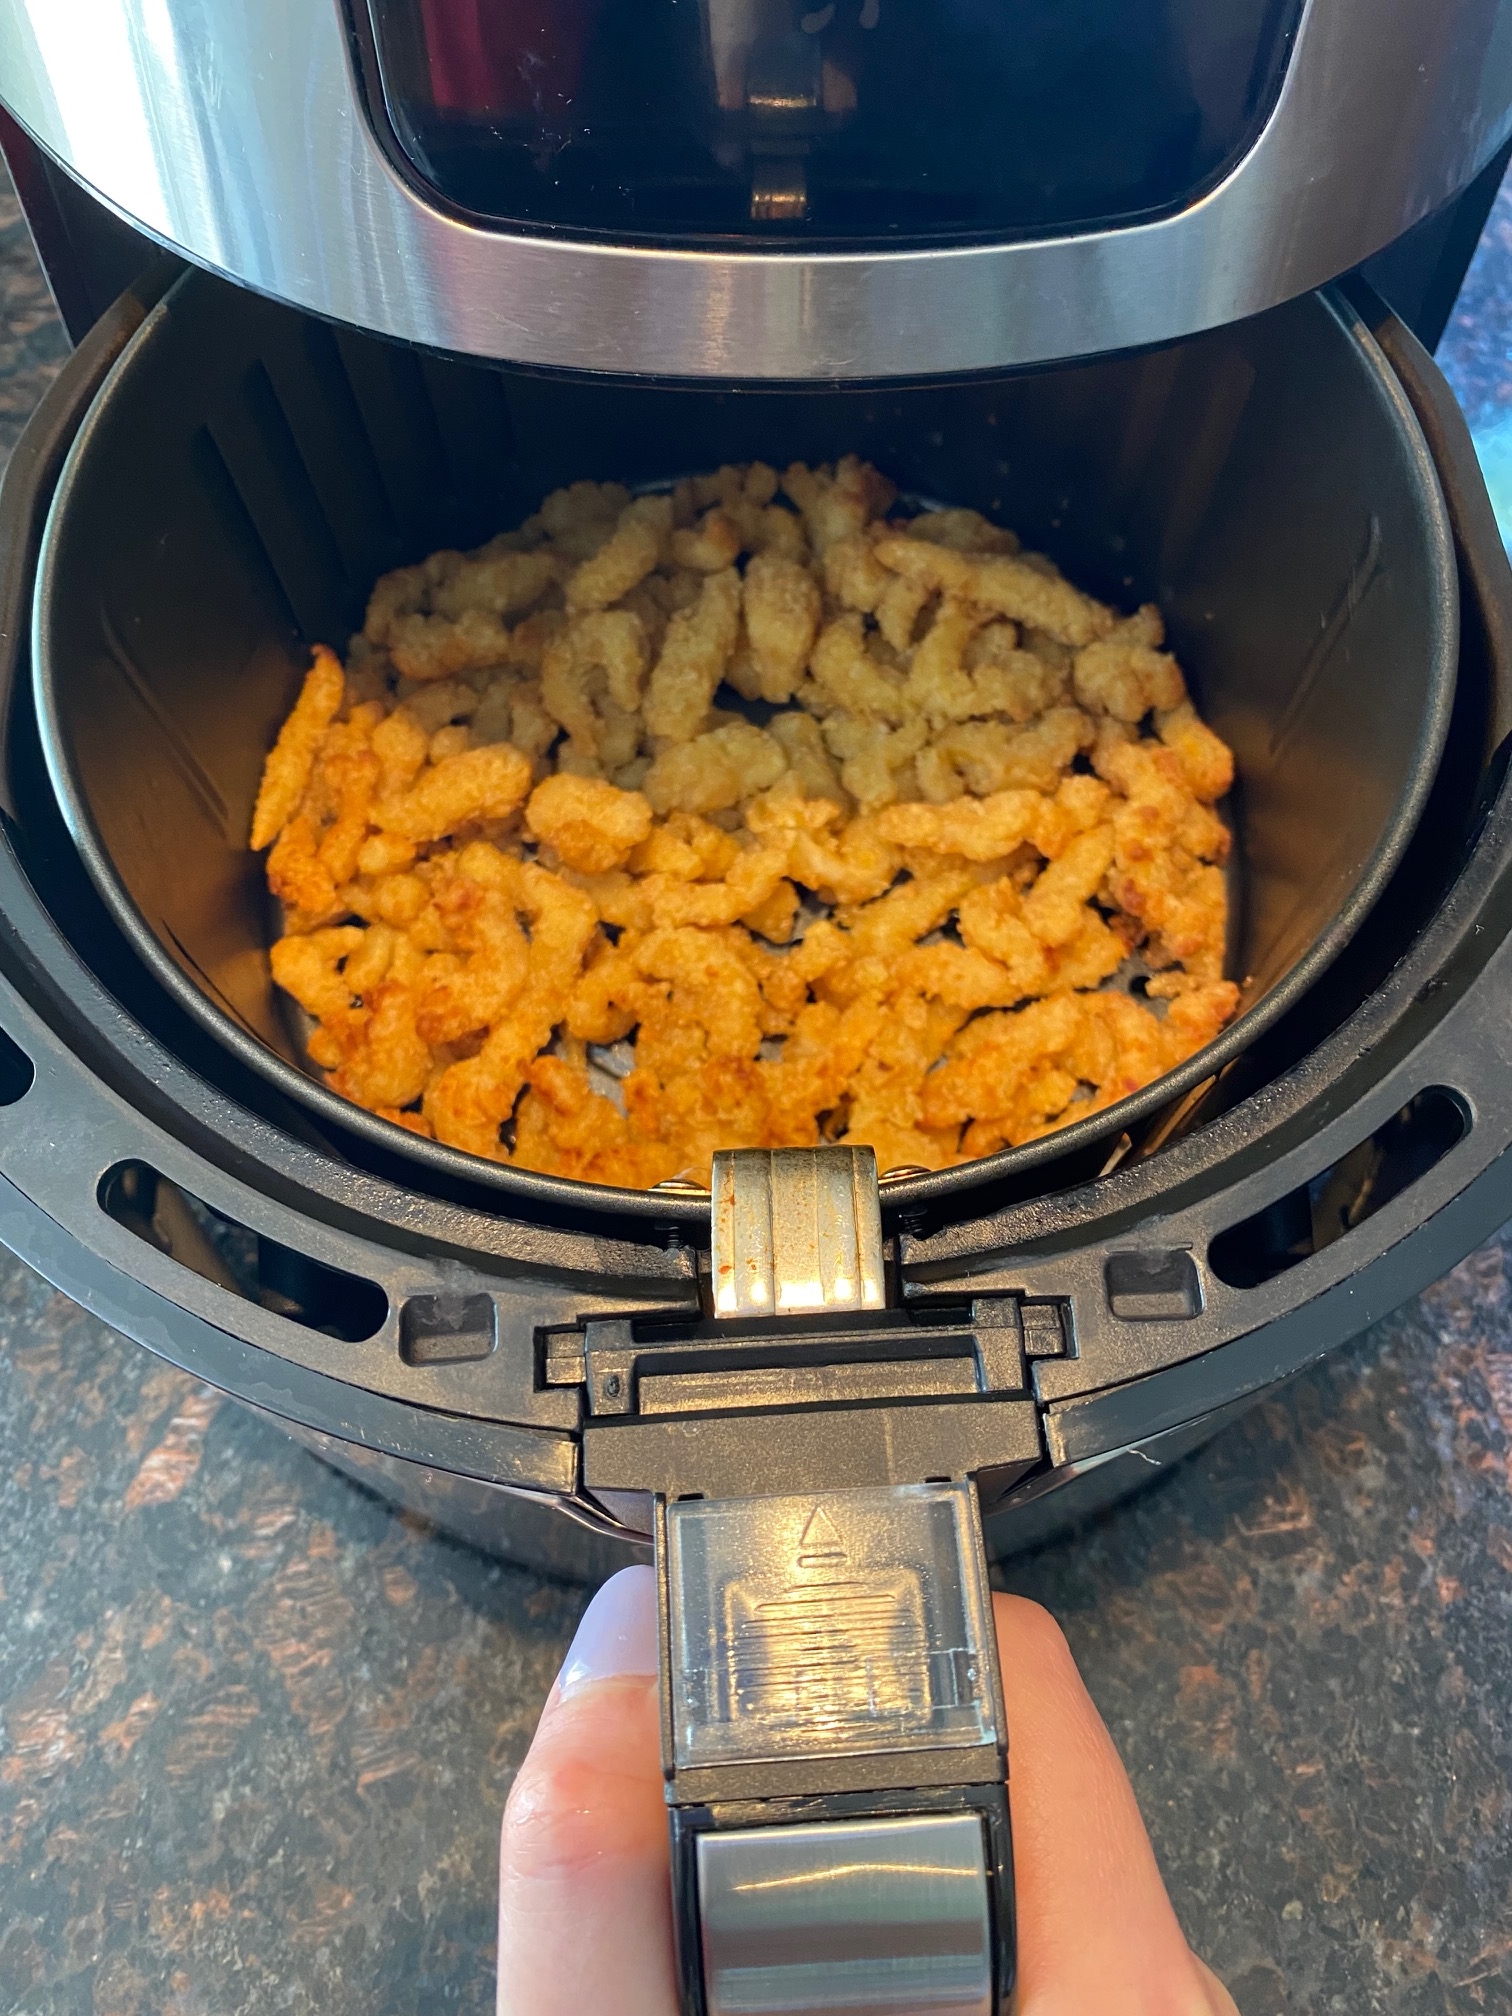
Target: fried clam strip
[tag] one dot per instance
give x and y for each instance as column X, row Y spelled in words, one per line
column 1169, row 845
column 286, row 773
column 591, row 679
column 1023, row 588
column 783, row 608
column 588, row 824
column 627, row 556
column 319, row 847
column 1010, row 1077
column 468, row 1102
column 694, row 655
column 847, row 821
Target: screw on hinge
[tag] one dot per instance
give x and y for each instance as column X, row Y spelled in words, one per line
column 910, row 1223
column 613, row 1386
column 678, row 1186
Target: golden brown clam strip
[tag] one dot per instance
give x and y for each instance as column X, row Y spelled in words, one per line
column 753, row 815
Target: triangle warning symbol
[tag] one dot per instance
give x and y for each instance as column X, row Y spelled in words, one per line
column 821, row 1545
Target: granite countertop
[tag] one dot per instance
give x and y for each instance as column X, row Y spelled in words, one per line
column 258, row 1728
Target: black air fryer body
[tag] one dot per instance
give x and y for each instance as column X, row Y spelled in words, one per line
column 450, row 1333
column 1297, row 490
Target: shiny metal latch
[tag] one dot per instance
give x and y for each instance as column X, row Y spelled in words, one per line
column 795, row 1230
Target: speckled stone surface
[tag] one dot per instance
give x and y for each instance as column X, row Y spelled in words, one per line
column 256, row 1729
column 1303, row 1646
column 1476, row 351
column 1476, row 354
column 32, row 342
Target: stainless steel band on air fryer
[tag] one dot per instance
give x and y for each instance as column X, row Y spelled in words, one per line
column 242, row 136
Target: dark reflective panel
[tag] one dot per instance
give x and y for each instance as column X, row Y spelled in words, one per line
column 851, row 120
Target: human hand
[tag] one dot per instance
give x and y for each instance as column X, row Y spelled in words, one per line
column 585, row 1920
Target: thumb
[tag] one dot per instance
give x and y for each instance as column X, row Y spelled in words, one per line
column 585, row 1918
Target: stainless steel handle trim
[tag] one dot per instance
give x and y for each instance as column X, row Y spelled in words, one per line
column 236, row 134
column 882, row 1916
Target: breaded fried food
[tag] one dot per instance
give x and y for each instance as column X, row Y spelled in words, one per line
column 828, row 822
column 286, row 774
column 589, row 824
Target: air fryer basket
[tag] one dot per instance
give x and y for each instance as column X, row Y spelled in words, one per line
column 396, row 1318
column 246, row 473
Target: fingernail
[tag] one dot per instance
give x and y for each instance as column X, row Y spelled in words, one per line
column 617, row 1636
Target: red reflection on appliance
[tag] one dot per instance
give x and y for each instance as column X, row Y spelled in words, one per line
column 506, row 58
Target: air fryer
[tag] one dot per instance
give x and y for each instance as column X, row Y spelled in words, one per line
column 1063, row 274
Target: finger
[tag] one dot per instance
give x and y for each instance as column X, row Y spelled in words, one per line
column 584, row 1898
column 1220, row 2001
column 584, row 1901
column 1096, row 1930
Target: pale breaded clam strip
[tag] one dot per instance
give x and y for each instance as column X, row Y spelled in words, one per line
column 783, row 607
column 1125, row 675
column 846, row 670
column 714, row 542
column 715, row 771
column 477, row 784
column 499, row 580
column 611, row 642
column 629, row 555
column 693, row 658
column 426, row 648
column 1002, row 583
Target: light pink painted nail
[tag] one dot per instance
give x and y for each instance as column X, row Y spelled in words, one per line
column 617, row 1636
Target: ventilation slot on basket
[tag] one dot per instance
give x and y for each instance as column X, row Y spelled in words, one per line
column 317, row 401
column 16, row 1072
column 243, row 1262
column 1153, row 1287
column 1344, row 1196
column 447, row 1329
column 261, row 458
column 401, row 426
